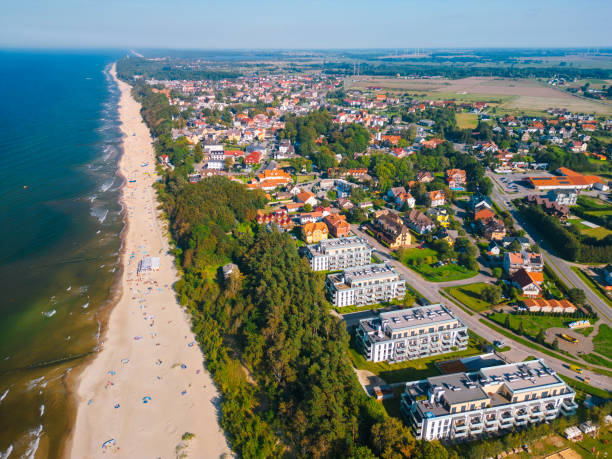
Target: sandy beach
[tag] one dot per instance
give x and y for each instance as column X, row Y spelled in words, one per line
column 147, row 386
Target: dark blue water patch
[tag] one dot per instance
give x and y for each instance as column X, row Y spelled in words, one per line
column 60, row 216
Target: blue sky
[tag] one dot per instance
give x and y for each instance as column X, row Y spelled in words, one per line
column 201, row 24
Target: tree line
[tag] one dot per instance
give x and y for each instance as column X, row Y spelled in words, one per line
column 569, row 244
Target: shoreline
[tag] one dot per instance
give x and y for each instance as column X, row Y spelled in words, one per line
column 146, row 385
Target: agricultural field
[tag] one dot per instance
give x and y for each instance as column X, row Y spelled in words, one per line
column 507, row 93
column 469, row 295
column 598, row 232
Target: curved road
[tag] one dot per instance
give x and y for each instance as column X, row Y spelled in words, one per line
column 431, row 290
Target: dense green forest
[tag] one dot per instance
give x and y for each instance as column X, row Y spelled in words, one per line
column 129, row 67
column 279, row 358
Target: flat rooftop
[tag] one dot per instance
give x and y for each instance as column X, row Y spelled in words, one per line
column 338, row 243
column 458, row 388
column 417, row 317
column 521, row 375
column 369, row 272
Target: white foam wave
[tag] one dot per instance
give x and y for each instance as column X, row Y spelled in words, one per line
column 7, row 453
column 106, row 185
column 99, row 213
column 50, row 313
column 32, row 384
column 85, row 306
column 69, row 288
column 3, row 396
column 33, row 446
column 42, row 410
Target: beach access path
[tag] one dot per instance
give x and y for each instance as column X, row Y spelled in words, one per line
column 147, row 386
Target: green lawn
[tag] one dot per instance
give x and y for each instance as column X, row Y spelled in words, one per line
column 466, row 120
column 445, row 273
column 589, row 203
column 419, row 255
column 586, row 331
column 603, row 340
column 598, row 233
column 531, row 324
column 304, row 178
column 420, row 260
column 597, row 359
column 411, row 370
column 368, row 307
column 469, row 295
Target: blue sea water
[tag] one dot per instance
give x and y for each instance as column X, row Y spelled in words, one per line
column 61, row 224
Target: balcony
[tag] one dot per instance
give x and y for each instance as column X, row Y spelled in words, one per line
column 460, row 434
column 506, row 420
column 520, row 415
column 522, row 422
column 568, row 406
column 460, row 426
column 475, row 422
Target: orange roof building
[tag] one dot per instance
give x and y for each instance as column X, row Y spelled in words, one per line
column 337, row 225
column 567, row 179
column 314, row 232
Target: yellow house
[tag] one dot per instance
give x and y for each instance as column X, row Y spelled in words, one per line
column 314, row 232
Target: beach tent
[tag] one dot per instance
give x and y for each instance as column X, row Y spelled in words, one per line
column 148, row 264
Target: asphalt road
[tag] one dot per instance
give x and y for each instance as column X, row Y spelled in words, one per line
column 560, row 266
column 431, row 290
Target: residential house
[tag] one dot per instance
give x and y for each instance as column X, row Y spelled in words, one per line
column 390, row 230
column 483, row 213
column 419, row 222
column 253, row 158
column 551, row 208
column 314, row 232
column 306, row 197
column 563, row 197
column 400, row 196
column 344, row 204
column 337, row 225
column 455, row 178
column 424, row 177
column 576, row 146
column 513, row 261
column 278, row 217
column 493, row 229
column 521, row 240
column 528, row 282
column 437, row 198
column 440, row 215
column 550, row 306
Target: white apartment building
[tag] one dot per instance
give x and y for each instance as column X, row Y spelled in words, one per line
column 215, row 153
column 369, row 284
column 413, row 333
column 340, row 253
column 499, row 398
